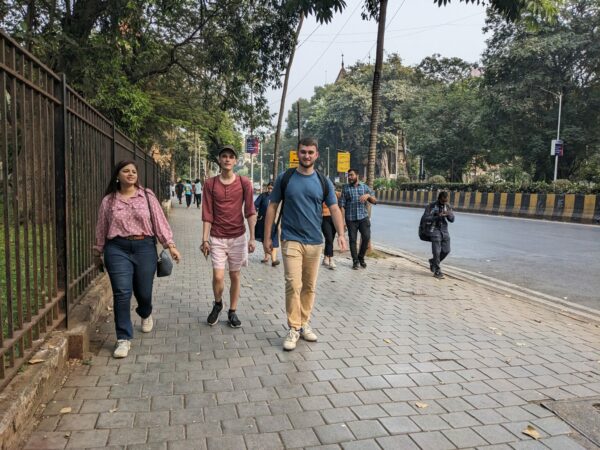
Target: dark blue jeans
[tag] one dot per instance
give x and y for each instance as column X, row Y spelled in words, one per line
column 354, row 227
column 131, row 266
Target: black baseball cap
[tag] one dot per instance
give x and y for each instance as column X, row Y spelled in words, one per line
column 229, row 148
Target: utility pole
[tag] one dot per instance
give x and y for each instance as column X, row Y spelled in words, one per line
column 260, row 149
column 557, row 135
column 298, row 111
column 396, row 163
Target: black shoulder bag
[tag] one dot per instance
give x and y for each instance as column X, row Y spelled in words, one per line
column 164, row 265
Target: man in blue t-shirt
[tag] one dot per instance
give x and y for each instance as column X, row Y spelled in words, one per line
column 302, row 238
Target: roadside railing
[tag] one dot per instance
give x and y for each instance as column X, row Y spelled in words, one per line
column 56, row 156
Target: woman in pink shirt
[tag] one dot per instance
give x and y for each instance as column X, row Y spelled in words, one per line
column 126, row 235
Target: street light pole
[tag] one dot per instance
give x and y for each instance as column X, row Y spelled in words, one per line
column 328, row 158
column 557, row 135
column 559, row 96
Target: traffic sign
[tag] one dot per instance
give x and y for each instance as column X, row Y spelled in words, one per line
column 557, row 147
column 343, row 161
column 252, row 145
column 294, row 162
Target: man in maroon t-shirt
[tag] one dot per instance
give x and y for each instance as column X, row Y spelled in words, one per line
column 224, row 233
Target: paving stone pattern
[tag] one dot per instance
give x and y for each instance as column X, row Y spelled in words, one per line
column 403, row 361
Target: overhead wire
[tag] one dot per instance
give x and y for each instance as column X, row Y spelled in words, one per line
column 326, row 49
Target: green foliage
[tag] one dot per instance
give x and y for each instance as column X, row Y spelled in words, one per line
column 460, row 118
column 436, row 179
column 383, row 183
column 540, row 187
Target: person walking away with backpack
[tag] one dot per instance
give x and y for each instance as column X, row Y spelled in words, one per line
column 198, row 192
column 328, row 229
column 353, row 203
column 439, row 213
column 188, row 192
column 302, row 192
column 261, row 204
column 224, row 233
column 179, row 188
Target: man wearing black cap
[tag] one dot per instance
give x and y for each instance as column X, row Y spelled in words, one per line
column 224, row 232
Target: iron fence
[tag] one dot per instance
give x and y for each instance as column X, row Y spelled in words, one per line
column 56, row 156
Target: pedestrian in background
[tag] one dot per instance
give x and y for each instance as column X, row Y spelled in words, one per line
column 328, row 229
column 179, row 188
column 189, row 192
column 261, row 204
column 353, row 203
column 227, row 199
column 440, row 213
column 302, row 192
column 130, row 221
column 198, row 192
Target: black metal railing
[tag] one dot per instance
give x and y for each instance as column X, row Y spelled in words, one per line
column 56, row 155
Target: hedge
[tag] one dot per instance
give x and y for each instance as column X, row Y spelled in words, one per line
column 540, row 187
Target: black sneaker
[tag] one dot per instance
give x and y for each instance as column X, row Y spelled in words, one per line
column 355, row 265
column 213, row 317
column 431, row 265
column 362, row 263
column 234, row 322
column 439, row 275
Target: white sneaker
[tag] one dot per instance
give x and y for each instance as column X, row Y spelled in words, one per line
column 147, row 324
column 122, row 348
column 325, row 263
column 290, row 340
column 307, row 333
column 332, row 265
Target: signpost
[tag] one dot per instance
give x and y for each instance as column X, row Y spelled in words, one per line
column 557, row 148
column 252, row 146
column 343, row 161
column 294, row 162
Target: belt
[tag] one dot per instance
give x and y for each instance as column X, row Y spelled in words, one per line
column 139, row 237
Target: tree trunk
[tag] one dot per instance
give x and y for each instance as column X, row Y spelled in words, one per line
column 384, row 171
column 375, row 99
column 283, row 96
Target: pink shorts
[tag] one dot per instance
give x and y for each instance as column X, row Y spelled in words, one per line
column 233, row 251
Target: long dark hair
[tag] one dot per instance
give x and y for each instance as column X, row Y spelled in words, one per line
column 113, row 185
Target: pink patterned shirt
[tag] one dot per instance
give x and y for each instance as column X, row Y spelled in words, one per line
column 120, row 216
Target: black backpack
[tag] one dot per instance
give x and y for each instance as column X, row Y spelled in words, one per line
column 286, row 179
column 426, row 225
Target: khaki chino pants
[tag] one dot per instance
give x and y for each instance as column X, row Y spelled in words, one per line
column 301, row 263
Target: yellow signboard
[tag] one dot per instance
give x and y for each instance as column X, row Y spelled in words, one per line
column 293, row 159
column 343, row 161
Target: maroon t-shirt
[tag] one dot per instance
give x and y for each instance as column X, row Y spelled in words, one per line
column 222, row 206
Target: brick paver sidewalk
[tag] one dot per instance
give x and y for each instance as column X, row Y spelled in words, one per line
column 403, row 361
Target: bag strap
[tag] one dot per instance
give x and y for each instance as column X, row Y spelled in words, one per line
column 151, row 219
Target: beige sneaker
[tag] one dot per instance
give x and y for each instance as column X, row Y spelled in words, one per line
column 290, row 340
column 307, row 333
column 122, row 348
column 332, row 265
column 147, row 324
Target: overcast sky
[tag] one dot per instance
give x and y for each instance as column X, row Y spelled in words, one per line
column 415, row 29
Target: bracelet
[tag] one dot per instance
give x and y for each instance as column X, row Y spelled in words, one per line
column 172, row 246
column 205, row 242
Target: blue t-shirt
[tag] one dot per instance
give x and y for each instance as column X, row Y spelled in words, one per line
column 303, row 207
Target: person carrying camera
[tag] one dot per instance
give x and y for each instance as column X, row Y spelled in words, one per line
column 440, row 214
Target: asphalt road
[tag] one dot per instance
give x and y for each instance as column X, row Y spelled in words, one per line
column 558, row 259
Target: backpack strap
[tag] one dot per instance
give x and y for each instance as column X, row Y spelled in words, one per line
column 285, row 179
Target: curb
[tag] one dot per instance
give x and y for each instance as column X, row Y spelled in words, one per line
column 557, row 304
column 46, row 371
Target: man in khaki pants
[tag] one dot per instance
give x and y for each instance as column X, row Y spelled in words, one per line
column 302, row 192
